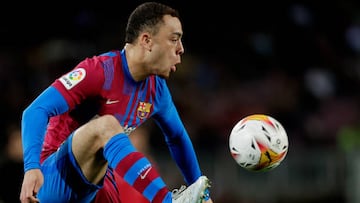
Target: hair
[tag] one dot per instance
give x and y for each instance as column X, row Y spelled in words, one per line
column 147, row 17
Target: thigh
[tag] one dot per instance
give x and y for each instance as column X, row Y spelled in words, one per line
column 63, row 179
column 88, row 144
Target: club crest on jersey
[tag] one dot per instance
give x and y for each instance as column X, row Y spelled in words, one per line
column 143, row 110
column 72, row 78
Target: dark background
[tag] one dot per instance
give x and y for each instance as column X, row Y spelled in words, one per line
column 297, row 61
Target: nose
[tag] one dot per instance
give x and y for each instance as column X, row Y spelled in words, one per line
column 180, row 48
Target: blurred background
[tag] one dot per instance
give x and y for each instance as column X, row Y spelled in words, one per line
column 298, row 61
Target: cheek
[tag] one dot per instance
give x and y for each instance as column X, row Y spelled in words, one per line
column 165, row 54
column 160, row 52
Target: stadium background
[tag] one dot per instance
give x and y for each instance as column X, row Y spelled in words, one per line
column 297, row 61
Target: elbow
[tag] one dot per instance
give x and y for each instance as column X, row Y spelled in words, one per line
column 34, row 113
column 26, row 113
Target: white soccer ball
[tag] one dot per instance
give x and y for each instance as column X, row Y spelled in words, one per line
column 258, row 143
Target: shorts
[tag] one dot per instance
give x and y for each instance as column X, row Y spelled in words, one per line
column 64, row 180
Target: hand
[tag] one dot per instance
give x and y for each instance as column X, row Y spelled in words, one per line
column 208, row 201
column 33, row 180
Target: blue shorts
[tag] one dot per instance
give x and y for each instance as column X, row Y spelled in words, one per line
column 63, row 179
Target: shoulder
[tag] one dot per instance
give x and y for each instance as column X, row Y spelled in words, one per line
column 162, row 90
column 100, row 65
column 160, row 81
column 161, row 84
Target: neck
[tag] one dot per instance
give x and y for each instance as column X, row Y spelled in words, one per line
column 134, row 59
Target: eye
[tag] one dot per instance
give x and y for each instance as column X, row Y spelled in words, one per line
column 174, row 40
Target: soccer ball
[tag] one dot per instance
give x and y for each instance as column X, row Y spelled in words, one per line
column 258, row 142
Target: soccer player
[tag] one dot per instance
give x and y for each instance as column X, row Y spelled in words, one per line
column 75, row 133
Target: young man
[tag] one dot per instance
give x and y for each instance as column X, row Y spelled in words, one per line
column 75, row 133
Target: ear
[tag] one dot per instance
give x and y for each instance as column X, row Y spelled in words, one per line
column 146, row 41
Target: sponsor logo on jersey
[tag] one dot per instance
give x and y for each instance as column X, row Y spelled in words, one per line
column 110, row 101
column 73, row 78
column 143, row 110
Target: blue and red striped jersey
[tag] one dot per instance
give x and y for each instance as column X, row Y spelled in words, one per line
column 103, row 85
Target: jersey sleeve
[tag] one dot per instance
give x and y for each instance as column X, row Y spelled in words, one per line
column 84, row 81
column 176, row 136
column 34, row 121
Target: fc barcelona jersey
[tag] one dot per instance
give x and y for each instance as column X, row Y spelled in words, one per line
column 103, row 85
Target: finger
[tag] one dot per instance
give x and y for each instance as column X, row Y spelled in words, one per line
column 27, row 196
column 34, row 199
column 28, row 199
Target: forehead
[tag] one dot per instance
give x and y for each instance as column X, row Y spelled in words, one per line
column 172, row 25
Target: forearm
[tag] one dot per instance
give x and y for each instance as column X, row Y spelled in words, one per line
column 180, row 145
column 34, row 122
column 184, row 155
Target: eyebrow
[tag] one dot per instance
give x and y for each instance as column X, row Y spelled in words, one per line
column 179, row 34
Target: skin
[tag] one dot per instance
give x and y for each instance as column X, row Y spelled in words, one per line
column 150, row 55
column 156, row 54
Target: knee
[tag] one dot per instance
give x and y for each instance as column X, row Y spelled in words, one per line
column 110, row 123
column 107, row 126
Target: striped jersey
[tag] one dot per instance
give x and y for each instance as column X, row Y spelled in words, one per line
column 103, row 85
